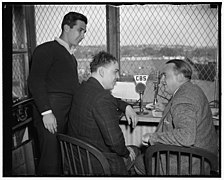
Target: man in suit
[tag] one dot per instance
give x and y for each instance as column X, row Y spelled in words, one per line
column 187, row 119
column 95, row 116
column 53, row 81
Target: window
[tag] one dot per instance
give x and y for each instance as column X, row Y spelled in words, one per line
column 20, row 63
column 149, row 35
column 153, row 34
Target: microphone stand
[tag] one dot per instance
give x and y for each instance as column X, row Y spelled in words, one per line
column 155, row 100
column 140, row 103
column 141, row 110
column 156, row 88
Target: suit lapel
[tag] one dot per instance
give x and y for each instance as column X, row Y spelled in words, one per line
column 167, row 109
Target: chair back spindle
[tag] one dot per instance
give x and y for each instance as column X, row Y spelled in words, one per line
column 78, row 157
column 158, row 152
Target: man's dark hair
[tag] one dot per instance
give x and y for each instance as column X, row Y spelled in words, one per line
column 101, row 59
column 71, row 18
column 182, row 67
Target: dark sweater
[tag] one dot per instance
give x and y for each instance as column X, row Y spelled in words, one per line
column 53, row 70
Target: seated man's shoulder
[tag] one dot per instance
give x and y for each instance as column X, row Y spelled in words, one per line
column 105, row 98
column 104, row 95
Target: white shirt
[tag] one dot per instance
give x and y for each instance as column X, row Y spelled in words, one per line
column 65, row 44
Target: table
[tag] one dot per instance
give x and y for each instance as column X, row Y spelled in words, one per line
column 146, row 124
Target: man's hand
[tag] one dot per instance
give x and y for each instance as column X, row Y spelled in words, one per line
column 50, row 122
column 131, row 116
column 146, row 139
column 132, row 153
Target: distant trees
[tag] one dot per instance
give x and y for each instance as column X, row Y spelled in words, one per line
column 210, row 53
column 151, row 50
column 167, row 51
column 201, row 59
column 131, row 51
column 86, row 52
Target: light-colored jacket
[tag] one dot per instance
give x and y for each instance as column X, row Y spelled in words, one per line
column 187, row 121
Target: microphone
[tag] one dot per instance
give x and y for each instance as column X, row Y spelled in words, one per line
column 140, row 89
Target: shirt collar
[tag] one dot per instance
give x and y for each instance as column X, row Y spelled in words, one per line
column 65, row 44
column 176, row 91
column 179, row 88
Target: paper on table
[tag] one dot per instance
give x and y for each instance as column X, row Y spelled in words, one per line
column 150, row 106
column 157, row 113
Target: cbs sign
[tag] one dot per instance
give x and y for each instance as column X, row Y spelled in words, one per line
column 140, row 78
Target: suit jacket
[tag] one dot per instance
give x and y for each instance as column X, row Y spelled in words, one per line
column 95, row 119
column 187, row 121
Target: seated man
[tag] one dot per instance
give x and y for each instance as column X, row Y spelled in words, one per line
column 187, row 118
column 95, row 118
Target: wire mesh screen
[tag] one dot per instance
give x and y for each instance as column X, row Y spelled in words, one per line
column 20, row 56
column 48, row 26
column 150, row 35
column 153, row 34
column 18, row 35
column 18, row 76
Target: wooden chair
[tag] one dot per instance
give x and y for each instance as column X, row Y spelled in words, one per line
column 79, row 157
column 155, row 152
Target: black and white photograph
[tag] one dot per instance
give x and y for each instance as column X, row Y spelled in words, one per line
column 111, row 89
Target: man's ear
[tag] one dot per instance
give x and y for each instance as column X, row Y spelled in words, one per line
column 180, row 77
column 101, row 71
column 66, row 28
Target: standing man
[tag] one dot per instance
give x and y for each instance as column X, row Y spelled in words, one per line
column 187, row 118
column 95, row 116
column 53, row 81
